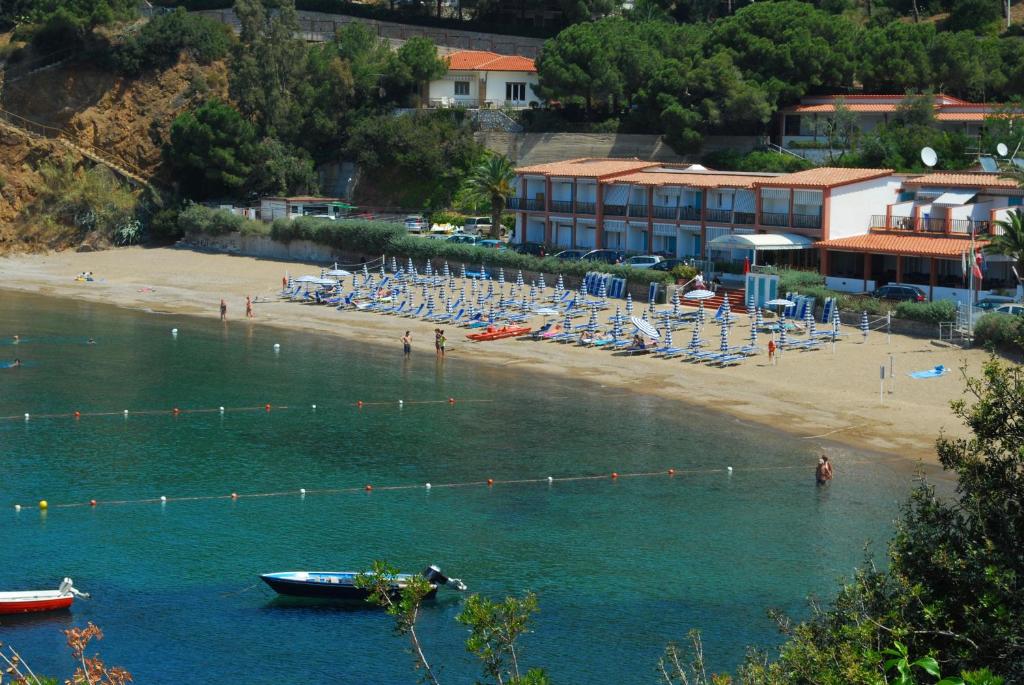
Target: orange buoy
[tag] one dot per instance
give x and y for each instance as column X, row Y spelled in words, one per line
column 451, row 400
column 175, row 411
column 92, row 503
column 78, row 414
column 671, row 472
column 369, row 487
column 267, row 407
column 490, row 481
column 359, row 404
column 614, row 475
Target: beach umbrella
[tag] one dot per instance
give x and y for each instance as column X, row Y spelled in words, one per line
column 583, row 290
column 307, row 279
column 666, row 327
column 446, row 272
column 366, row 271
column 519, row 278
column 501, row 278
column 430, row 305
column 541, row 284
column 695, row 338
column 699, row 295
column 617, row 328
column 616, row 318
column 592, row 322
column 644, row 326
column 428, row 270
column 490, row 289
column 758, row 318
column 602, row 291
column 463, row 273
column 864, row 327
column 751, row 303
column 675, row 303
column 700, row 313
column 835, row 322
column 533, row 296
column 668, row 337
column 394, row 265
column 629, row 304
column 782, row 332
column 382, row 272
column 726, row 312
column 723, row 339
column 567, row 323
column 410, row 268
column 753, row 333
column 810, row 324
column 560, row 285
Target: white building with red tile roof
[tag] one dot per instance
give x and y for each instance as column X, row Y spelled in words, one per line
column 477, row 78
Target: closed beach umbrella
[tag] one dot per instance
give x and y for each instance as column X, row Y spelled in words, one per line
column 490, row 289
column 675, row 303
column 501, row 277
column 560, row 284
column 835, row 322
column 602, row 291
column 428, row 270
column 726, row 312
column 629, row 304
column 617, row 329
column 533, row 296
column 394, row 265
column 617, row 316
column 758, row 318
column 366, row 271
column 753, row 333
column 519, row 278
column 463, row 273
column 410, row 268
column 668, row 337
column 700, row 313
column 567, row 323
column 695, row 338
column 809, row 322
column 751, row 303
column 430, row 304
column 723, row 338
column 864, row 327
column 383, row 273
column 583, row 291
column 541, row 284
column 782, row 332
column 446, row 272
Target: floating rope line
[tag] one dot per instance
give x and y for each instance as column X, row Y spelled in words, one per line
column 266, row 408
column 368, row 488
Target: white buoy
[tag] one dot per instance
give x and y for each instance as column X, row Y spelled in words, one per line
column 126, row 412
column 729, row 468
column 302, row 491
column 221, row 410
column 277, row 347
column 314, row 407
column 174, row 331
column 428, row 486
column 163, row 499
column 550, row 479
column 17, row 507
column 26, row 417
column 400, row 404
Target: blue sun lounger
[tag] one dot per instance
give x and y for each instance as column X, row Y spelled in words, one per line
column 939, row 370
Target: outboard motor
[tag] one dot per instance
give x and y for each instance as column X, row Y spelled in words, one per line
column 434, row 575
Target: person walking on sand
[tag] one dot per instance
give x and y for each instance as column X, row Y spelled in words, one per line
column 248, row 308
column 407, row 344
column 823, row 472
column 771, row 352
column 223, row 310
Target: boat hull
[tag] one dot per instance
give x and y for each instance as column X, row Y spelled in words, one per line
column 35, row 606
column 344, row 592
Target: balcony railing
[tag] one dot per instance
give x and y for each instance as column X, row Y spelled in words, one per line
column 515, row 203
column 664, row 212
column 526, row 204
column 879, row 221
column 615, row 210
column 743, row 218
column 720, row 216
column 774, row 219
column 689, row 214
column 932, row 225
column 806, row 221
column 902, row 223
column 585, row 207
column 963, row 226
column 639, row 211
column 564, row 206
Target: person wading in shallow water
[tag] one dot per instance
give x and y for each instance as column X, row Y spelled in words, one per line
column 823, row 473
column 223, row 310
column 407, row 343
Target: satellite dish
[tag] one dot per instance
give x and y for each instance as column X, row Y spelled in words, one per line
column 929, row 157
column 1002, row 150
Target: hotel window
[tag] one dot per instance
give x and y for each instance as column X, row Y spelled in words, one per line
column 462, row 87
column 515, row 91
column 792, row 124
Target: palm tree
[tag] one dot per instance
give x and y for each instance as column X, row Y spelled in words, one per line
column 491, row 181
column 1011, row 243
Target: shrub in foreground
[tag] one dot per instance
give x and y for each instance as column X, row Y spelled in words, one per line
column 1000, row 331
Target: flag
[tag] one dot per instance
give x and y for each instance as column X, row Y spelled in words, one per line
column 963, row 265
column 976, row 269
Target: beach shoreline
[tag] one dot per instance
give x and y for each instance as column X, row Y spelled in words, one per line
column 818, row 397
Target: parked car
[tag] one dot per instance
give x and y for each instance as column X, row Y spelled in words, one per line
column 992, row 301
column 1011, row 309
column 536, row 249
column 492, row 243
column 477, row 225
column 899, row 293
column 570, row 255
column 606, row 256
column 464, row 239
column 415, row 223
column 646, row 261
column 667, row 264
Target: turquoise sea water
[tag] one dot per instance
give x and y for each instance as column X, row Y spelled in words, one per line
column 620, row 567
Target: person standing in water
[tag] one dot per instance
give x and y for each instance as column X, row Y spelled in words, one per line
column 407, row 343
column 441, row 340
column 223, row 310
column 248, row 308
column 823, row 473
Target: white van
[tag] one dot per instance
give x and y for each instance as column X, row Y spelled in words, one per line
column 477, row 225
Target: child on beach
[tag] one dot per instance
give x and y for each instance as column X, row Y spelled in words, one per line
column 407, row 343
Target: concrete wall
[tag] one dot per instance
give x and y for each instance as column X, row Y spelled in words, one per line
column 853, row 205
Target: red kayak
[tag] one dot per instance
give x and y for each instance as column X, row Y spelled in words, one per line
column 31, row 601
column 498, row 333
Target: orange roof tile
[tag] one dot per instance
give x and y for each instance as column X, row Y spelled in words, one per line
column 916, row 245
column 586, row 167
column 480, row 60
column 700, row 179
column 962, row 116
column 963, row 180
column 854, row 107
column 825, row 177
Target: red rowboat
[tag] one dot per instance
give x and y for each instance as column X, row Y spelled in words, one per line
column 498, row 333
column 31, row 601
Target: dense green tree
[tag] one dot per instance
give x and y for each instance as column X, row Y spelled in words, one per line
column 895, row 58
column 413, row 65
column 211, row 150
column 789, row 47
column 280, row 170
column 160, row 42
column 966, row 66
column 579, row 65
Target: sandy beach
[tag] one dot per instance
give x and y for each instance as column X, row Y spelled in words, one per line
column 816, row 396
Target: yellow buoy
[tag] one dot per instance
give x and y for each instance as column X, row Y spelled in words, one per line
column 43, row 504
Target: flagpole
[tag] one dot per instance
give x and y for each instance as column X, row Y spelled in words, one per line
column 970, row 297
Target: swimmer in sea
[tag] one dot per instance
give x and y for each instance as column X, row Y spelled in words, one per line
column 17, row 362
column 90, row 341
column 17, row 339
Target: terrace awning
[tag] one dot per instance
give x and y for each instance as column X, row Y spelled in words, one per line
column 954, row 198
column 761, row 241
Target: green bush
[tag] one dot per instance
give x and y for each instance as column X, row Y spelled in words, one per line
column 200, row 219
column 929, row 312
column 453, row 218
column 354, row 235
column 160, row 41
column 1000, row 331
column 792, row 280
column 163, row 226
